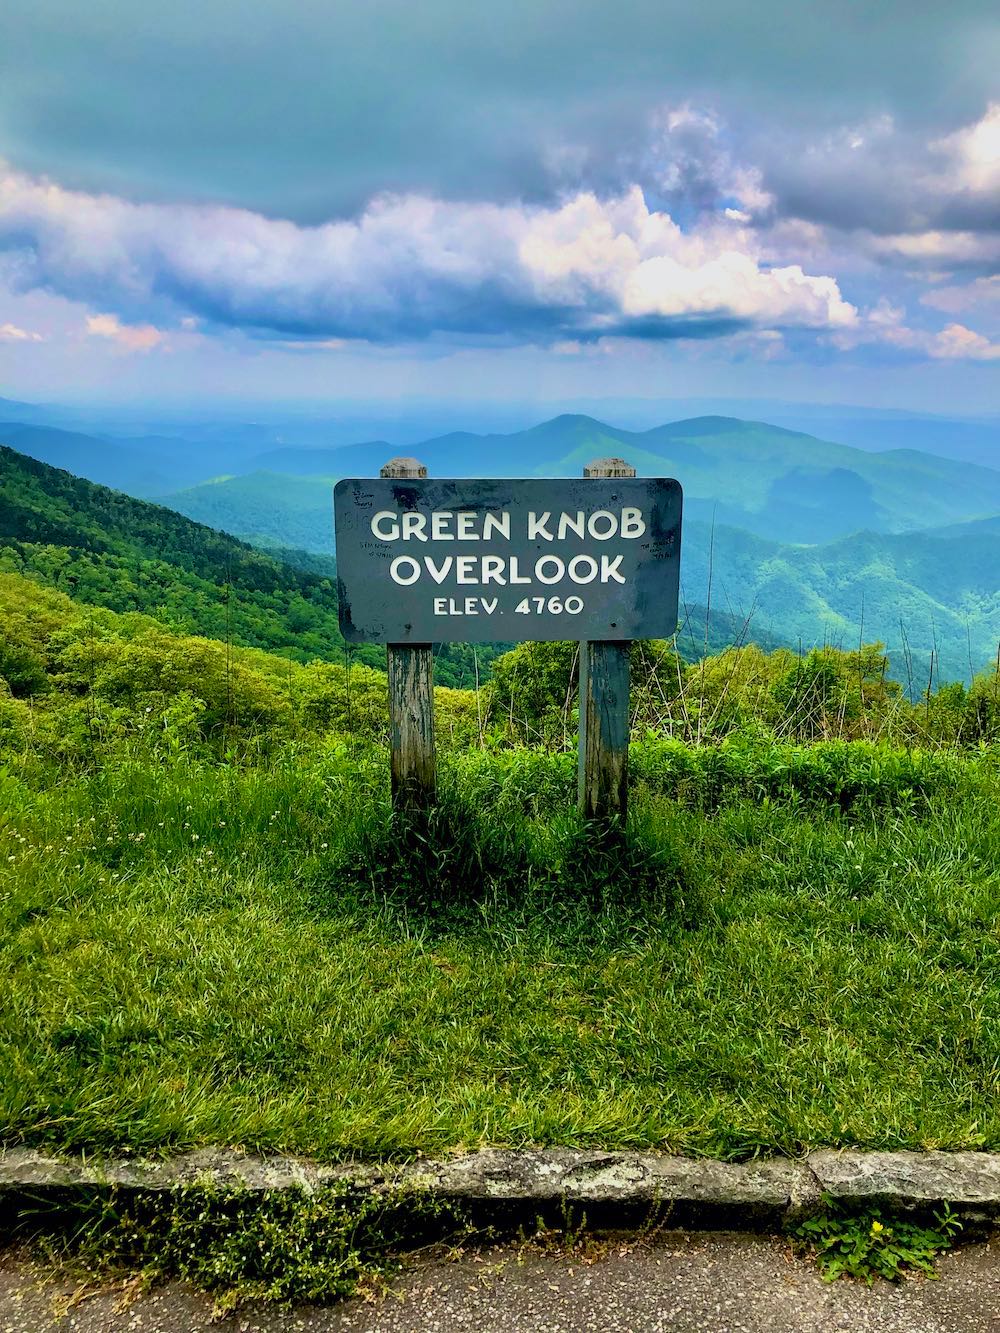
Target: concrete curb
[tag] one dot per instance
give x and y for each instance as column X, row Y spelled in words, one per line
column 507, row 1186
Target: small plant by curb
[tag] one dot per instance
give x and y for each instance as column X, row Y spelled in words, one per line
column 871, row 1244
column 241, row 1246
column 574, row 1237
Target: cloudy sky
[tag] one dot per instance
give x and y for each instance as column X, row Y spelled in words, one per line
column 545, row 198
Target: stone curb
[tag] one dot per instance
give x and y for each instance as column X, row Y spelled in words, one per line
column 506, row 1186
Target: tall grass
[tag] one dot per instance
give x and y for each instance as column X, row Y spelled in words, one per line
column 790, row 946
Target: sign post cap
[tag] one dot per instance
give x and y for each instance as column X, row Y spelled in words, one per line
column 402, row 467
column 609, row 467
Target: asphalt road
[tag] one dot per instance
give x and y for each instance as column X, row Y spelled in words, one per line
column 681, row 1284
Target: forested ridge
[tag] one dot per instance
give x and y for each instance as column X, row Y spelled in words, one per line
column 103, row 548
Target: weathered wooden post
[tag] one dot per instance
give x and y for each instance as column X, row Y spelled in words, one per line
column 411, row 700
column 604, row 708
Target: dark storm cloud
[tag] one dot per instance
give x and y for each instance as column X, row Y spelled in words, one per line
column 884, row 177
column 305, row 109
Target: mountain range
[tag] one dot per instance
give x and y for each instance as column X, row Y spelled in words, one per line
column 813, row 541
column 767, row 480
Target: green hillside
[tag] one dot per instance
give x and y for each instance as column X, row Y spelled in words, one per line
column 212, row 930
column 104, row 548
column 778, row 483
column 916, row 593
column 75, row 677
column 976, row 527
column 139, row 467
column 143, row 465
column 266, row 508
column 794, row 488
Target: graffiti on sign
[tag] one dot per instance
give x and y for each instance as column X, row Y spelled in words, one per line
column 429, row 560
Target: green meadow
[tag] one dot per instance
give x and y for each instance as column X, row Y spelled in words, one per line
column 212, row 930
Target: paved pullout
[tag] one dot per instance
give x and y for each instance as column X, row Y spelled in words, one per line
column 682, row 1283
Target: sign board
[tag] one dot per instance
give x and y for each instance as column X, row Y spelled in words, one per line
column 432, row 561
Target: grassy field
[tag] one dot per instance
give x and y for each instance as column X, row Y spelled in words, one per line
column 797, row 946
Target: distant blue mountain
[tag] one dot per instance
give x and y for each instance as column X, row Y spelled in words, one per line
column 142, row 466
column 110, row 463
column 963, row 441
column 748, row 474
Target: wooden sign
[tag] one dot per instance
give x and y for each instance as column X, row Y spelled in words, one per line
column 429, row 561
column 424, row 561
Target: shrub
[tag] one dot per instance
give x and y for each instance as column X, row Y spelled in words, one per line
column 869, row 1245
column 281, row 1246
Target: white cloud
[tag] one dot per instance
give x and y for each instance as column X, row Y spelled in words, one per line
column 641, row 266
column 133, row 337
column 973, row 154
column 409, row 267
column 940, row 247
column 956, row 342
column 312, row 344
column 955, row 198
column 744, row 259
column 886, row 324
column 11, row 333
column 984, row 294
